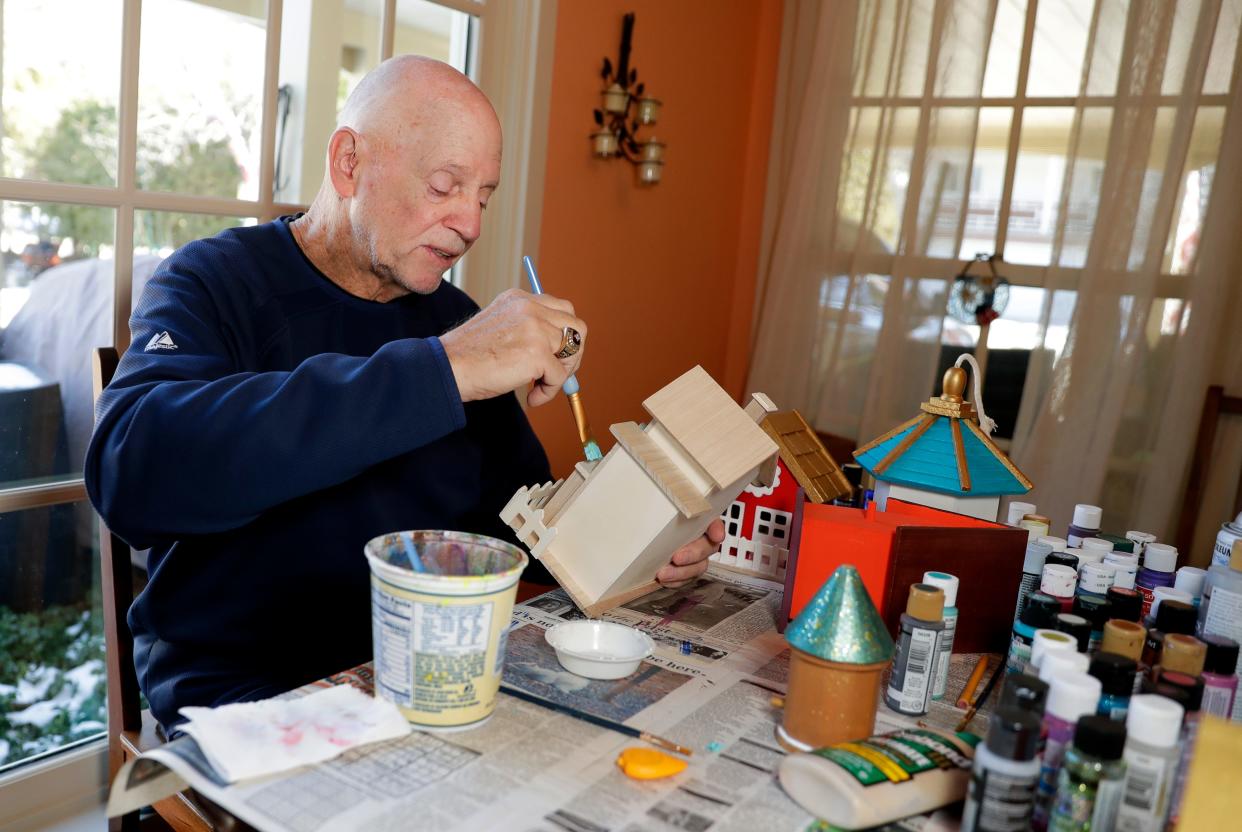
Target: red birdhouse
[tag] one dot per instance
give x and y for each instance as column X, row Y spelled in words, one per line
column 759, row 522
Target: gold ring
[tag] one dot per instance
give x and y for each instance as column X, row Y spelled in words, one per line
column 571, row 342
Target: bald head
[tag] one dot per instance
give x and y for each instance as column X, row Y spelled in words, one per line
column 413, row 161
column 410, row 90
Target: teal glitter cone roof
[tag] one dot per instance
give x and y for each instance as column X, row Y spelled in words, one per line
column 840, row 624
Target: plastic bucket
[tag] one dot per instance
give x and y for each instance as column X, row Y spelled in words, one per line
column 440, row 609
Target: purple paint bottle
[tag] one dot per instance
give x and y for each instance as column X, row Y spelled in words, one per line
column 1159, row 564
column 1220, row 682
column 1086, row 523
column 1070, row 696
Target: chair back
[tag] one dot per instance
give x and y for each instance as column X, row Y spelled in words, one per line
column 1215, row 405
column 117, row 583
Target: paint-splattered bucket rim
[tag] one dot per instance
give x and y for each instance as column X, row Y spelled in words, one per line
column 389, row 559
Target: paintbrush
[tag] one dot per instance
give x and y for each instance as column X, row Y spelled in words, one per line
column 572, row 391
column 620, row 728
column 983, row 696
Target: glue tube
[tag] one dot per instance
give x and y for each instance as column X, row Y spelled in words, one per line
column 857, row 785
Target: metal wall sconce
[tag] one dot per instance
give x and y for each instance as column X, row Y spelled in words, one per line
column 624, row 112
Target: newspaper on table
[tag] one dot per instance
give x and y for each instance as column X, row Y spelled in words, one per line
column 709, row 686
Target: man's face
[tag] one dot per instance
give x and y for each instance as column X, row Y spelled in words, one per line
column 419, row 205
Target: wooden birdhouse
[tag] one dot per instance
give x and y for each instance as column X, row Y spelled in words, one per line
column 758, row 523
column 943, row 459
column 607, row 529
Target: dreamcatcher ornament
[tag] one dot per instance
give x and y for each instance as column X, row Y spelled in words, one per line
column 978, row 299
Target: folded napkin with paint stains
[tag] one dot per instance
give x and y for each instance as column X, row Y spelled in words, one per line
column 251, row 739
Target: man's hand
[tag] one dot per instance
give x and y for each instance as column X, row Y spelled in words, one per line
column 511, row 343
column 690, row 561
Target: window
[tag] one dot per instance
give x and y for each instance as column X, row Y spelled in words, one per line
column 124, row 138
column 1004, row 142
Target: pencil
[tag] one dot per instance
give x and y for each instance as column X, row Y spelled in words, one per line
column 982, row 698
column 619, row 727
column 972, row 684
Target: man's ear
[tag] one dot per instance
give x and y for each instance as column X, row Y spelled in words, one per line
column 343, row 158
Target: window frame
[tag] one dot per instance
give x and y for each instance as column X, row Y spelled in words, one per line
column 903, row 267
column 510, row 45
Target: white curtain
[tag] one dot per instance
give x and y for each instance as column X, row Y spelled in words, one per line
column 904, row 145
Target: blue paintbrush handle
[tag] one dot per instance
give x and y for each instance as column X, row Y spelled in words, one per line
column 571, row 384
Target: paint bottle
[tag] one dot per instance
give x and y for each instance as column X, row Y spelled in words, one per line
column 1094, row 579
column 1017, row 511
column 948, row 585
column 1059, row 582
column 1001, row 793
column 1093, row 550
column 1221, row 611
column 1183, row 654
column 1059, row 662
column 1121, row 543
column 1187, row 692
column 1058, row 544
column 1025, row 692
column 1227, row 542
column 1123, row 638
column 1076, row 627
column 1116, row 675
column 1153, row 728
column 1096, row 609
column 923, row 770
column 1070, row 696
column 1092, row 780
column 918, row 647
column 1125, row 568
column 1159, row 563
column 1086, row 523
column 1047, row 641
column 1036, row 525
column 1064, row 558
column 1032, row 568
column 1172, row 617
column 1220, row 684
column 1161, row 594
column 1039, row 613
column 1140, row 541
column 1189, row 579
column 1125, row 603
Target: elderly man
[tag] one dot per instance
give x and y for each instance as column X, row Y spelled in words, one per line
column 297, row 388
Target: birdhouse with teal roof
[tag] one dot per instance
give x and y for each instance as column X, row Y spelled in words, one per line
column 944, row 457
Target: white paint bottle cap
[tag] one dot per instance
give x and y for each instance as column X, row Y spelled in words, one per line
column 1125, row 574
column 1036, row 553
column 1058, row 544
column 1058, row 580
column 1087, row 517
column 1062, row 662
column 1190, row 579
column 1122, row 559
column 1019, row 510
column 1071, row 695
column 1097, row 544
column 1050, row 641
column 946, row 582
column 1160, row 557
column 1140, row 540
column 1154, row 719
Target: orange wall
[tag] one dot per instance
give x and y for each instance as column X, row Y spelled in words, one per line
column 664, row 275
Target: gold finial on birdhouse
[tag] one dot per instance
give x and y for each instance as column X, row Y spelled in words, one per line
column 952, row 400
column 954, row 384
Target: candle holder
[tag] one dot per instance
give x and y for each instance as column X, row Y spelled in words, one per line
column 624, row 110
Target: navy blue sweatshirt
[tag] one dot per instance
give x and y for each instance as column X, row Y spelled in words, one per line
column 262, row 427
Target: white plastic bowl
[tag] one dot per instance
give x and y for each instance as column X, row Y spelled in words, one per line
column 599, row 649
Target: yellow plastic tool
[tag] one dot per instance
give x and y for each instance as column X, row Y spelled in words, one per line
column 649, row 764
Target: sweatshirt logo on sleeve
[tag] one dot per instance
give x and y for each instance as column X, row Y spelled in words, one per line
column 160, row 341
